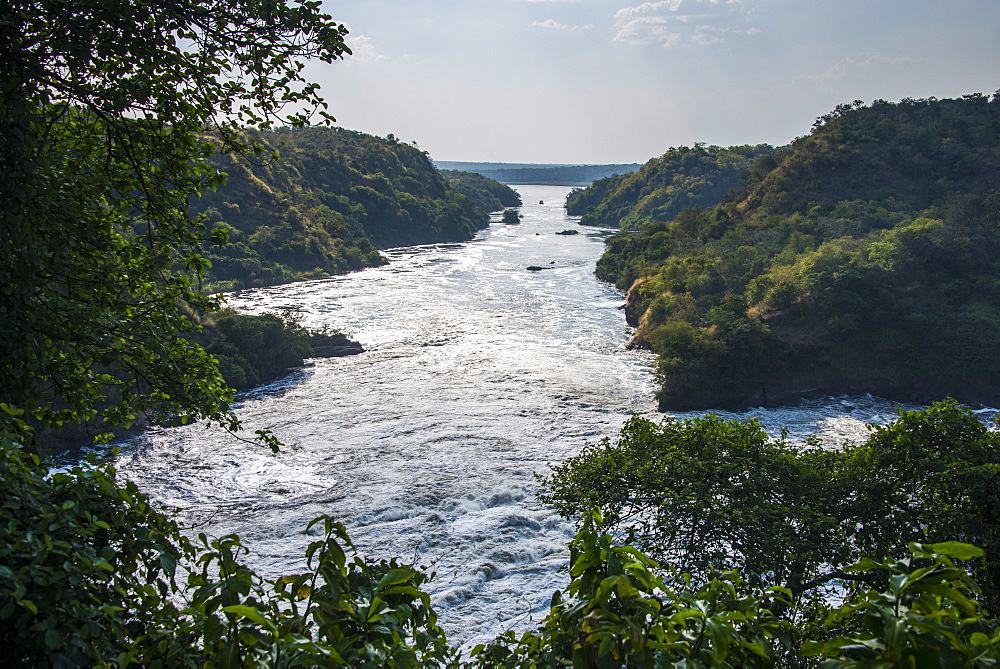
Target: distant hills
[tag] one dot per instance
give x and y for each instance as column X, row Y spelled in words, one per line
column 864, row 257
column 535, row 173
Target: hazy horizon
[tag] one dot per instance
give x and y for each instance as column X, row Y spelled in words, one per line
column 620, row 81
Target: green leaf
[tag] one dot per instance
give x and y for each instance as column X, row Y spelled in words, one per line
column 53, row 639
column 168, row 561
column 248, row 612
column 956, row 550
column 865, row 564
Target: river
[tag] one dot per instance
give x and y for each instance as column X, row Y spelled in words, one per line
column 478, row 375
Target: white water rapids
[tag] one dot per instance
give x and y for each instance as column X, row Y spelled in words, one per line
column 478, row 375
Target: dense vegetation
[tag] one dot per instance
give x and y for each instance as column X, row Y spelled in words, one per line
column 511, row 217
column 863, row 258
column 709, row 494
column 528, row 173
column 91, row 573
column 102, row 121
column 488, row 194
column 252, row 349
column 682, row 177
column 326, row 203
column 104, row 147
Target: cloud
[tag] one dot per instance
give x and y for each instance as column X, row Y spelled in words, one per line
column 552, row 23
column 650, row 8
column 362, row 50
column 549, row 23
column 709, row 35
column 645, row 30
column 674, row 23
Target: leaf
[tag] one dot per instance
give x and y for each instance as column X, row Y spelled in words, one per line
column 719, row 633
column 394, row 576
column 53, row 639
column 250, row 613
column 865, row 564
column 169, row 563
column 956, row 550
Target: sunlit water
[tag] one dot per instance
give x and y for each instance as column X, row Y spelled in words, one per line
column 478, row 376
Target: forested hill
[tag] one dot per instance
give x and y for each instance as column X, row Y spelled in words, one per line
column 682, row 177
column 532, row 173
column 865, row 257
column 490, row 195
column 325, row 205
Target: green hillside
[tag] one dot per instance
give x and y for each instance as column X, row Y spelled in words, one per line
column 682, row 177
column 865, row 257
column 325, row 205
column 488, row 194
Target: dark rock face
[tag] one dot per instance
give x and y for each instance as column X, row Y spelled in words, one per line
column 634, row 307
column 334, row 345
column 779, row 392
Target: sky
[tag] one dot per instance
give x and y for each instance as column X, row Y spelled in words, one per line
column 621, row 81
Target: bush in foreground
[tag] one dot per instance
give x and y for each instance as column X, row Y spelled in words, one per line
column 92, row 575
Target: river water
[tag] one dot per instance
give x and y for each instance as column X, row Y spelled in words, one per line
column 478, row 375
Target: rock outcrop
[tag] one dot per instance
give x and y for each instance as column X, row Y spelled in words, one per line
column 334, row 345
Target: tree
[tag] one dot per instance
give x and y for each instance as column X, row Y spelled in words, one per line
column 710, row 494
column 103, row 110
column 621, row 609
column 510, row 217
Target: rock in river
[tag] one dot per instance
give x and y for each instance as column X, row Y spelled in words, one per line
column 334, row 345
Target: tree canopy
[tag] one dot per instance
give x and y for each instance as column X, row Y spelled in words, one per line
column 325, row 204
column 489, row 194
column 698, row 176
column 709, row 495
column 104, row 107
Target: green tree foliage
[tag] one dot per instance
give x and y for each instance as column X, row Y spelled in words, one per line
column 925, row 618
column 622, row 610
column 682, row 177
column 102, row 107
column 511, row 217
column 254, row 348
column 86, row 564
column 329, row 199
column 488, row 194
column 844, row 266
column 707, row 495
column 618, row 611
